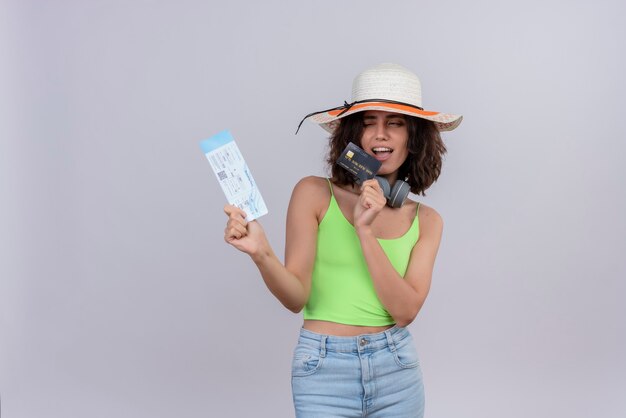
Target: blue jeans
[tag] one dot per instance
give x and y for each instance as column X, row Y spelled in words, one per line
column 371, row 375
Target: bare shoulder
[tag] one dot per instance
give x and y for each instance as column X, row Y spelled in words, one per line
column 429, row 219
column 311, row 189
column 311, row 193
column 312, row 184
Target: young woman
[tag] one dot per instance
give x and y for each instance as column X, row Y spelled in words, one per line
column 359, row 268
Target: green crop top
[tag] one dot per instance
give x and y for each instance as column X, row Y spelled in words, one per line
column 341, row 286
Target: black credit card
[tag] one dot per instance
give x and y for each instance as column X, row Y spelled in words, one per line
column 359, row 163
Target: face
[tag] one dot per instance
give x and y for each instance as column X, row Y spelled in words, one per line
column 386, row 136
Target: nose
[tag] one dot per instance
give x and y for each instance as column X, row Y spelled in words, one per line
column 381, row 131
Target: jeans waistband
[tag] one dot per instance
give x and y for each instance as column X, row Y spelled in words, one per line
column 369, row 342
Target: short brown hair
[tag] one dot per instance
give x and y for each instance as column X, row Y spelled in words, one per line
column 422, row 166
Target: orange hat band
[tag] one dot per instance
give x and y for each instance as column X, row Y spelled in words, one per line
column 395, row 106
column 361, row 104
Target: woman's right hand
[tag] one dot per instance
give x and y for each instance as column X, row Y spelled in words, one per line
column 247, row 237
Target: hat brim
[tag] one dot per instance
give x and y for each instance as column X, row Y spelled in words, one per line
column 444, row 121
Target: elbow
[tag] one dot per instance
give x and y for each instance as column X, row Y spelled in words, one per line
column 297, row 303
column 406, row 318
column 407, row 315
column 404, row 322
column 295, row 308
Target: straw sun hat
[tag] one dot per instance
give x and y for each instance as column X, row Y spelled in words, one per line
column 387, row 87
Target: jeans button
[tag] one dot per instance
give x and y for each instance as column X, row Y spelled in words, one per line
column 363, row 342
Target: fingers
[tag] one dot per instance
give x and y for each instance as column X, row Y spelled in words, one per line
column 231, row 210
column 236, row 226
column 372, row 195
column 373, row 183
column 234, row 230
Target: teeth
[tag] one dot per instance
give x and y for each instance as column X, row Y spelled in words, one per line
column 381, row 149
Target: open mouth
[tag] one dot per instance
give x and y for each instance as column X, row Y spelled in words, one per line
column 382, row 153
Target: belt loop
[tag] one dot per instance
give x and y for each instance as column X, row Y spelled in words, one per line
column 323, row 346
column 390, row 342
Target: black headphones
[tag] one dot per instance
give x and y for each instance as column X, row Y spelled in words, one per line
column 395, row 195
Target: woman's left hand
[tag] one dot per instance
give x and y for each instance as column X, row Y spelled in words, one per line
column 370, row 203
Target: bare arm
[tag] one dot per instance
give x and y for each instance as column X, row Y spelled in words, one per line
column 402, row 297
column 289, row 283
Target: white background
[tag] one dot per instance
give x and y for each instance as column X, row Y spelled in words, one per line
column 118, row 296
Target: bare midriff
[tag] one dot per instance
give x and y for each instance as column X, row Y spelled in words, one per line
column 340, row 330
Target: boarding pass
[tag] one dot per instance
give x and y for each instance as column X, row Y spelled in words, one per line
column 233, row 174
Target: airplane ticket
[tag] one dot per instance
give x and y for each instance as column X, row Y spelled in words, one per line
column 233, row 174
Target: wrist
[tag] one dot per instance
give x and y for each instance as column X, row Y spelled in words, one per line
column 364, row 231
column 261, row 255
